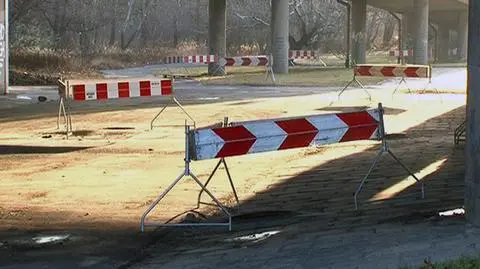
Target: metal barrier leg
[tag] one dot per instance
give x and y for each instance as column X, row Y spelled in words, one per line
column 165, row 107
column 358, row 83
column 156, row 116
column 232, row 185
column 364, row 180
column 384, row 149
column 208, row 181
column 408, row 170
column 225, row 211
column 155, row 203
column 399, row 84
column 60, row 105
column 346, row 87
column 186, row 172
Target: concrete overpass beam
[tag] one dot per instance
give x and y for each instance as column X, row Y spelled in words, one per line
column 217, row 36
column 359, row 25
column 462, row 36
column 279, row 35
column 421, row 15
column 443, row 42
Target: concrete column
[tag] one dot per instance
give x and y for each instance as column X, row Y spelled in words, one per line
column 408, row 29
column 279, row 34
column 462, row 36
column 472, row 150
column 420, row 35
column 217, row 36
column 359, row 25
column 443, row 42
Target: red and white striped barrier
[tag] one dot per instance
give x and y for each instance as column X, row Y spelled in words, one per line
column 406, row 71
column 106, row 90
column 261, row 60
column 254, row 137
column 389, row 70
column 401, row 53
column 273, row 135
column 195, row 59
column 121, row 89
column 302, row 54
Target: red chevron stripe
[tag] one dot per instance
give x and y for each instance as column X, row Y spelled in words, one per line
column 145, row 88
column 300, row 133
column 123, row 90
column 388, row 71
column 102, row 92
column 246, row 61
column 238, row 141
column 363, row 70
column 166, row 87
column 229, row 61
column 79, row 92
column 411, row 72
column 262, row 61
column 361, row 125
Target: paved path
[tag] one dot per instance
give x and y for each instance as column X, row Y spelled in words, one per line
column 382, row 246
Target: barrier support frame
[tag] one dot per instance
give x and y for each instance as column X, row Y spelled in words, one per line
column 430, row 70
column 355, row 79
column 185, row 173
column 64, row 109
column 178, row 104
column 232, row 185
column 385, row 149
column 269, row 69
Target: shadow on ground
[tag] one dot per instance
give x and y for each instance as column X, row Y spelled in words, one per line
column 325, row 193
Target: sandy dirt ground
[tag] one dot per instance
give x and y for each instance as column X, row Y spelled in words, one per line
column 106, row 175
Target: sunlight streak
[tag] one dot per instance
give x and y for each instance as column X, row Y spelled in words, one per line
column 407, row 182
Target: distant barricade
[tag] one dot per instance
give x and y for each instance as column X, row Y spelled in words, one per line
column 389, row 71
column 112, row 89
column 305, row 55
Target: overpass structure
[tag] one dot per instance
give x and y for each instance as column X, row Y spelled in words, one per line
column 417, row 18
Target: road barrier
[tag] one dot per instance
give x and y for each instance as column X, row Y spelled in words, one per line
column 402, row 54
column 391, row 71
column 186, row 62
column 106, row 90
column 305, row 55
column 245, row 61
column 252, row 137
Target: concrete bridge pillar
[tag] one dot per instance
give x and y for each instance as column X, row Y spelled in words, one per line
column 462, row 36
column 217, row 36
column 443, row 45
column 408, row 28
column 421, row 18
column 279, row 34
column 359, row 25
column 472, row 149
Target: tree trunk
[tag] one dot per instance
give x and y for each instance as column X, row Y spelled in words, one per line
column 388, row 32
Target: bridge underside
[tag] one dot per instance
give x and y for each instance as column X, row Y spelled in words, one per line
column 441, row 11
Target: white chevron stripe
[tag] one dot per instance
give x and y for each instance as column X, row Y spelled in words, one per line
column 207, row 144
column 155, row 87
column 375, row 114
column 134, row 87
column 90, row 91
column 331, row 129
column 269, row 136
column 254, row 60
column 112, row 90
